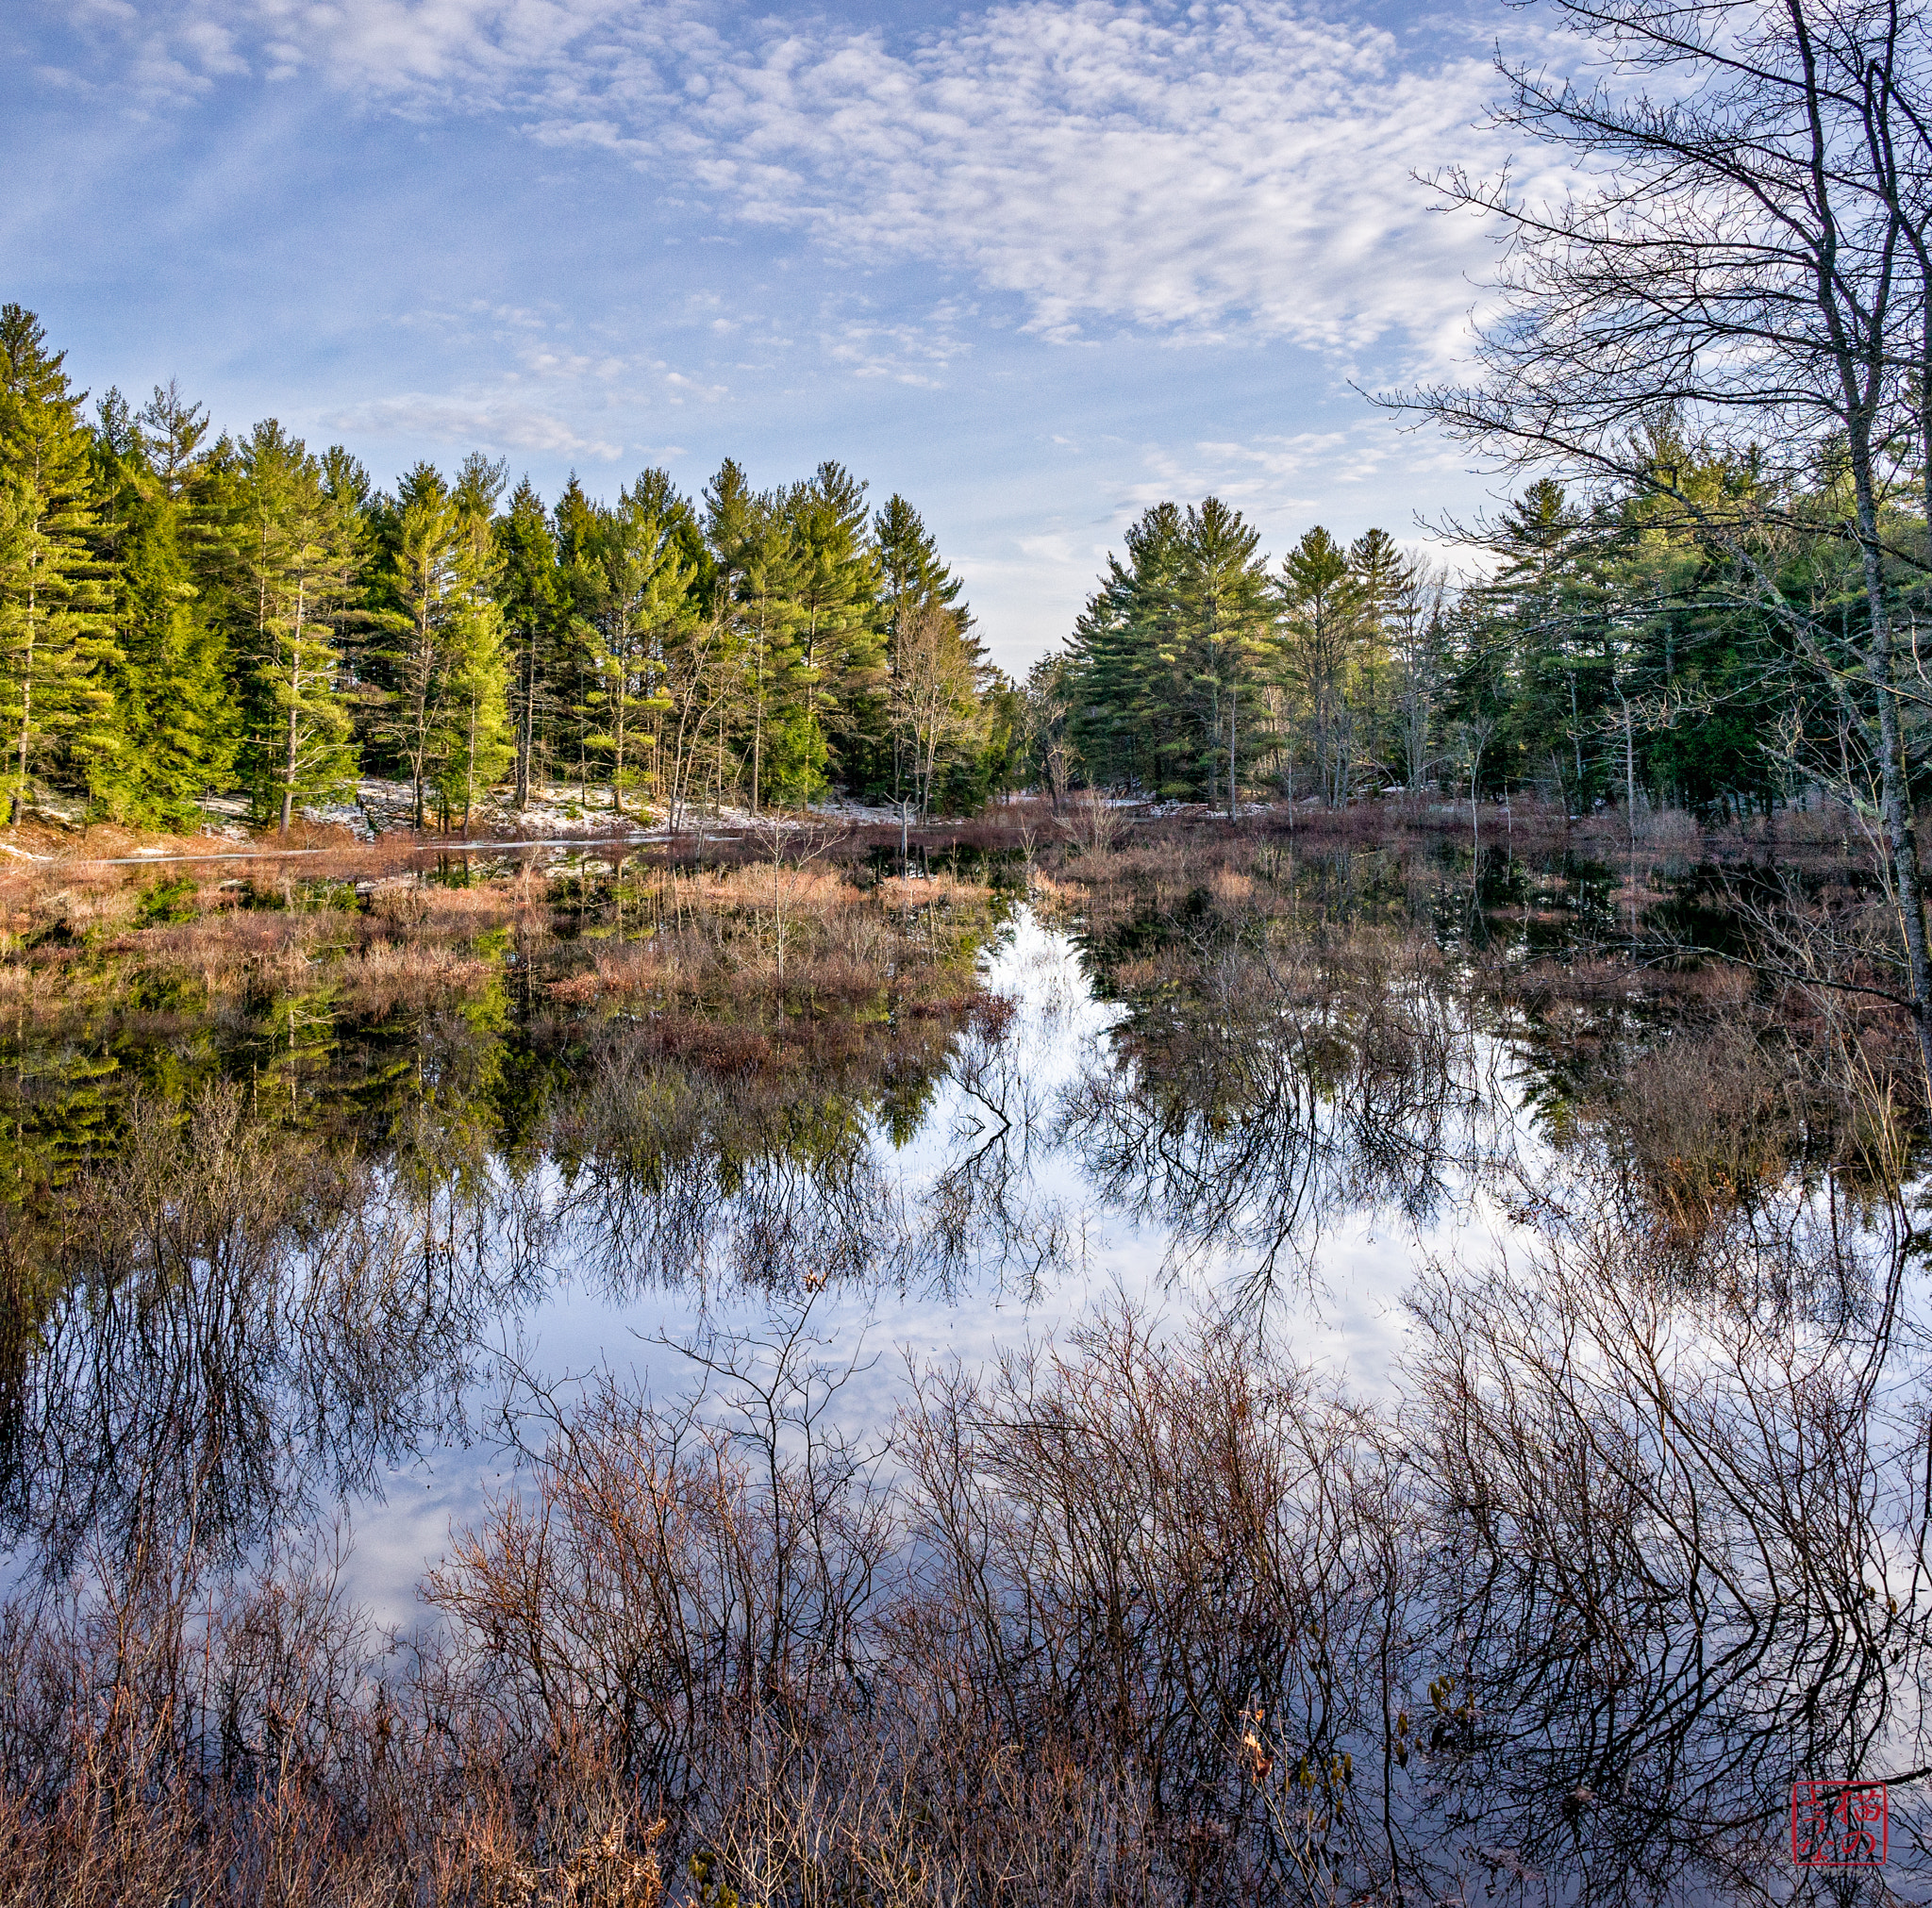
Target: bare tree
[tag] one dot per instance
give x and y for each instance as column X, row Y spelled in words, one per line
column 1417, row 639
column 1048, row 743
column 933, row 700
column 1741, row 280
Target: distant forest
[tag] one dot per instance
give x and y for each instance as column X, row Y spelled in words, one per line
column 1607, row 654
column 184, row 612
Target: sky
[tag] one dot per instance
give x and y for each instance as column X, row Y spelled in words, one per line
column 1037, row 265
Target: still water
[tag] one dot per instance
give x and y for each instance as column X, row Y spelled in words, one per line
column 1028, row 1195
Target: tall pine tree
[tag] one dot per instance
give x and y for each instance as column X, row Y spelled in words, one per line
column 57, row 652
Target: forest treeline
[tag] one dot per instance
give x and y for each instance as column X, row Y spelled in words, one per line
column 1607, row 654
column 183, row 612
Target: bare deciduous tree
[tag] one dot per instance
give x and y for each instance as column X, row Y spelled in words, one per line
column 1743, row 270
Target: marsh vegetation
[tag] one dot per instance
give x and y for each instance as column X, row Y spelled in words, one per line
column 964, row 1500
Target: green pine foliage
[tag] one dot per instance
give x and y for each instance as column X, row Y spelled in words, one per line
column 184, row 611
column 1600, row 652
column 57, row 659
column 175, row 720
column 297, row 556
column 639, row 608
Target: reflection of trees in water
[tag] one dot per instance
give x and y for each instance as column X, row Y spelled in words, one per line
column 985, row 1212
column 779, row 1182
column 237, row 1315
column 1677, row 1554
column 673, row 1170
column 1559, row 1623
column 1288, row 1094
column 217, row 1314
column 1643, row 1535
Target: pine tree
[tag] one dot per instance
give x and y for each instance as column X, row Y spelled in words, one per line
column 1128, row 718
column 758, row 574
column 175, row 705
column 1224, row 624
column 527, row 592
column 482, row 744
column 836, row 589
column 478, row 746
column 57, row 653
column 644, row 606
column 1322, row 633
column 435, row 580
column 297, row 558
column 1527, row 667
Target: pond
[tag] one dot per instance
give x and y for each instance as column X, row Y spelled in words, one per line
column 1200, row 1335
column 368, row 1354
column 1034, row 1189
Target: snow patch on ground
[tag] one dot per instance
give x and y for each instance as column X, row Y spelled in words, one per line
column 555, row 811
column 340, row 815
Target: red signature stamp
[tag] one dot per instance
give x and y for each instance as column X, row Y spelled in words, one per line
column 1838, row 1825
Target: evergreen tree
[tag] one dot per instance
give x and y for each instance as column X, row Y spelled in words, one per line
column 528, row 593
column 1126, row 723
column 56, row 653
column 175, row 705
column 478, row 746
column 1222, row 629
column 177, row 608
column 436, row 612
column 759, row 569
column 1530, row 666
column 835, row 591
column 1322, row 631
column 296, row 555
column 644, row 607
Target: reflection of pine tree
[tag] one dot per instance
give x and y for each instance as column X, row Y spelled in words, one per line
column 57, row 1104
column 298, row 1041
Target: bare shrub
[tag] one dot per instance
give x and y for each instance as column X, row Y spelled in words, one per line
column 1092, row 822
column 243, row 1748
column 1706, row 1122
column 1141, row 1619
column 1678, row 1554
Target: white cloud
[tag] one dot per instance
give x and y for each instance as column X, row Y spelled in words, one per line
column 680, row 387
column 492, row 424
column 917, row 351
column 1231, row 168
column 1227, row 171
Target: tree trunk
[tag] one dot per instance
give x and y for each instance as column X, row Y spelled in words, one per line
column 1894, row 792
column 26, row 697
column 523, row 728
column 294, row 702
column 1233, row 736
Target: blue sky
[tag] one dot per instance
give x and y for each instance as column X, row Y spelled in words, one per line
column 1036, row 266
